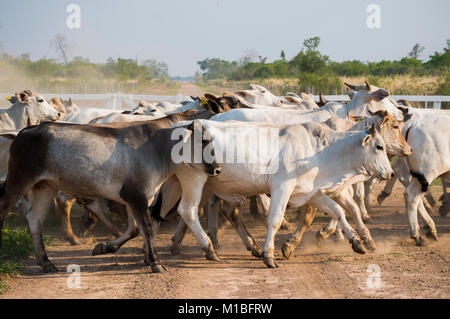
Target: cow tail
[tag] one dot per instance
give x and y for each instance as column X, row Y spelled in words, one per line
column 155, row 210
column 2, row 189
column 422, row 180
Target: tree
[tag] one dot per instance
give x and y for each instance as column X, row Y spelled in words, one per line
column 59, row 43
column 283, row 56
column 311, row 44
column 416, row 50
column 249, row 56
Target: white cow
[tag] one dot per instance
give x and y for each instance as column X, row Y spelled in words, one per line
column 296, row 173
column 257, row 94
column 362, row 104
column 425, row 132
column 29, row 108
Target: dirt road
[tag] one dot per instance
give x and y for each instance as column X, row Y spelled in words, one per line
column 329, row 271
column 190, row 89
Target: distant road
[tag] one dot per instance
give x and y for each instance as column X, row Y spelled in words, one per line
column 188, row 89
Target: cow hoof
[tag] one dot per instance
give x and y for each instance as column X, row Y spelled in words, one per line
column 211, row 255
column 99, row 249
column 320, row 236
column 443, row 210
column 430, row 232
column 383, row 195
column 74, row 241
column 369, row 244
column 175, row 250
column 49, row 268
column 419, row 241
column 287, row 250
column 270, row 262
column 366, row 219
column 358, row 247
column 257, row 252
column 158, row 268
column 285, row 225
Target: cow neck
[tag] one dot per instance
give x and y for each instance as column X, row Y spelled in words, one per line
column 342, row 148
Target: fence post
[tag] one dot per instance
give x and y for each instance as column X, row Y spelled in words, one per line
column 437, row 105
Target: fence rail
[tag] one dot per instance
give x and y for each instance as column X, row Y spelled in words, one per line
column 116, row 100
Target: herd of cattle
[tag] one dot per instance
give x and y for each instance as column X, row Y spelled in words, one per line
column 326, row 156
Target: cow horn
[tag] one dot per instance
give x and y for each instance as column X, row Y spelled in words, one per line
column 322, row 100
column 353, row 87
column 368, row 87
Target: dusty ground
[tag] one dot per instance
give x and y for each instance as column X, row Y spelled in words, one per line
column 329, row 271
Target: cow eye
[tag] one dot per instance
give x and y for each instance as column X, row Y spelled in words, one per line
column 40, row 100
column 379, row 147
column 396, row 126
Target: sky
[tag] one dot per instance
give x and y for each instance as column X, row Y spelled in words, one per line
column 182, row 32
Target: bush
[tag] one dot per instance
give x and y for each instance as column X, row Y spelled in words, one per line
column 16, row 245
column 324, row 82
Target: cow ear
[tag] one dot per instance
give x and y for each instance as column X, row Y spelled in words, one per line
column 23, row 97
column 378, row 95
column 291, row 99
column 305, row 96
column 404, row 110
column 213, row 107
column 210, row 96
column 244, row 94
column 366, row 139
column 369, row 135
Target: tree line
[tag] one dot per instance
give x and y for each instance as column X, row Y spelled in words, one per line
column 314, row 68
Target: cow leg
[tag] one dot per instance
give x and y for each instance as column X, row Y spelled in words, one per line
column 387, row 190
column 327, row 231
column 188, row 209
column 305, row 217
column 339, row 236
column 445, row 198
column 96, row 208
column 430, row 199
column 64, row 205
column 114, row 245
column 138, row 205
column 42, row 199
column 232, row 214
column 412, row 198
column 213, row 219
column 87, row 221
column 360, row 194
column 426, row 204
column 279, row 200
column 346, row 201
column 367, row 190
column 263, row 202
column 254, row 209
column 429, row 227
column 329, row 206
column 179, row 234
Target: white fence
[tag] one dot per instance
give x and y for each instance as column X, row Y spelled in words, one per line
column 114, row 100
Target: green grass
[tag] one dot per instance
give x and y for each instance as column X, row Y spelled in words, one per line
column 16, row 245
